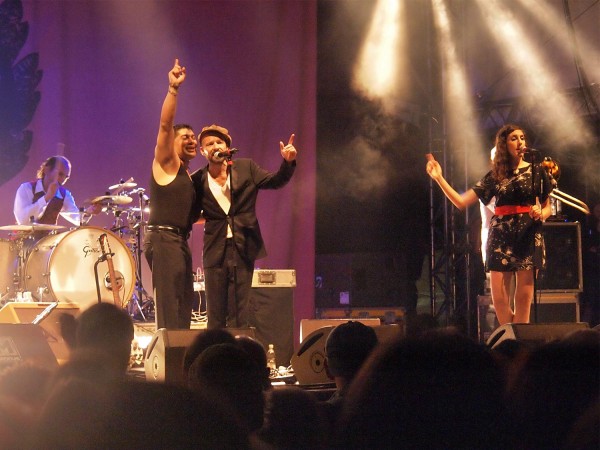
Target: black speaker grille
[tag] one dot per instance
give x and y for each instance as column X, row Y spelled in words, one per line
column 563, row 258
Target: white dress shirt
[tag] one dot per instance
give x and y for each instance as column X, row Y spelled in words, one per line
column 223, row 197
column 24, row 209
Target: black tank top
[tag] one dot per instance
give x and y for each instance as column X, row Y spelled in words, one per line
column 171, row 204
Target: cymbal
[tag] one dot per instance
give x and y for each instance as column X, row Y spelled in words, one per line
column 71, row 215
column 137, row 209
column 123, row 185
column 31, row 228
column 114, row 199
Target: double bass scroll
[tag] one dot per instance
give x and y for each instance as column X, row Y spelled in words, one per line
column 114, row 283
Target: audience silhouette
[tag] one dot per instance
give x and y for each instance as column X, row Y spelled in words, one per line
column 228, row 373
column 257, row 352
column 294, row 419
column 558, row 383
column 134, row 415
column 438, row 391
column 433, row 388
column 201, row 342
column 346, row 349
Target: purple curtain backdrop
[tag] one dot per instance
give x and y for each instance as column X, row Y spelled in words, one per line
column 251, row 67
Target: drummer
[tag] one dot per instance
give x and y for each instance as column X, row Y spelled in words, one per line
column 42, row 200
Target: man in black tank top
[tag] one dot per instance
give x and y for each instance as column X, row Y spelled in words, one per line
column 172, row 193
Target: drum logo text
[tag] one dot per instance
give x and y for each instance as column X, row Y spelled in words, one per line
column 88, row 250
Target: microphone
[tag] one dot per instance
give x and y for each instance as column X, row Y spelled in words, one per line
column 226, row 153
column 531, row 155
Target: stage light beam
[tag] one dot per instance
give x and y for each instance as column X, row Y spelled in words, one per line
column 376, row 73
column 458, row 101
column 543, row 95
column 555, row 23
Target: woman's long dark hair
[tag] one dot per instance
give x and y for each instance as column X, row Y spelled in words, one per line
column 501, row 164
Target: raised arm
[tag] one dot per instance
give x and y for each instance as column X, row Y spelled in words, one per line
column 164, row 153
column 461, row 201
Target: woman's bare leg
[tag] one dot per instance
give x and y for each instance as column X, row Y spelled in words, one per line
column 523, row 296
column 500, row 283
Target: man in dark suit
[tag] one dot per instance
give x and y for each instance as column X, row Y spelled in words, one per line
column 226, row 193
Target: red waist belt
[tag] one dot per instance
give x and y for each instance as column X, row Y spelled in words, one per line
column 506, row 210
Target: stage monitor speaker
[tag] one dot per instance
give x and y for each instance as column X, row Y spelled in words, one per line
column 309, row 361
column 563, row 270
column 24, row 342
column 272, row 315
column 307, row 326
column 531, row 334
column 550, row 307
column 165, row 352
column 48, row 315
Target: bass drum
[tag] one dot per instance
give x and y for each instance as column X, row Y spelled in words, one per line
column 60, row 267
column 9, row 267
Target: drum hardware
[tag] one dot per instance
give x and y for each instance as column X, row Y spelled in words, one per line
column 119, row 225
column 31, row 228
column 141, row 300
column 41, row 291
column 107, row 200
column 146, row 210
column 13, row 255
column 115, row 188
column 81, row 217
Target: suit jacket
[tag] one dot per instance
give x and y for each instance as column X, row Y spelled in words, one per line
column 247, row 178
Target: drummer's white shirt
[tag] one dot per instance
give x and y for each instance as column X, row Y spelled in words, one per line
column 24, row 209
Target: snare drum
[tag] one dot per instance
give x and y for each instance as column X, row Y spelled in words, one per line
column 60, row 267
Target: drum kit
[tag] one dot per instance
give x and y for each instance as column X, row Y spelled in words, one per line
column 85, row 264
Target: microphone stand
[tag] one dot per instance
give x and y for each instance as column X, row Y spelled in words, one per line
column 231, row 214
column 139, row 286
column 536, row 180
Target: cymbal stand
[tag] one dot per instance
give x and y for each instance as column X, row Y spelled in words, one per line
column 19, row 276
column 140, row 297
column 118, row 225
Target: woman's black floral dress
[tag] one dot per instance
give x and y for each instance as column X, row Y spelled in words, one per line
column 515, row 241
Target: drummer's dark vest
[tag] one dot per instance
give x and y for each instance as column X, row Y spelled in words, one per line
column 50, row 216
